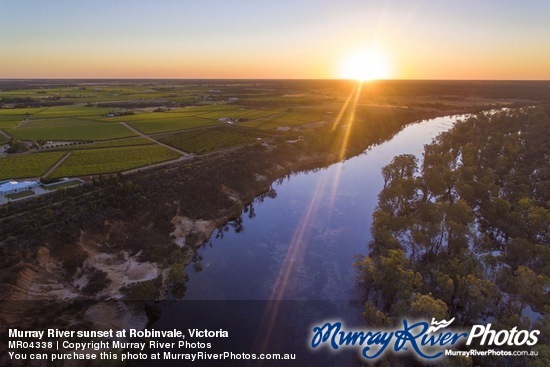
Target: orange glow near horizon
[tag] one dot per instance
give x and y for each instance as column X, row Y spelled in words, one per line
column 366, row 65
column 394, row 62
column 273, row 40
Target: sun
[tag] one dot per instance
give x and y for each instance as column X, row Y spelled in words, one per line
column 365, row 65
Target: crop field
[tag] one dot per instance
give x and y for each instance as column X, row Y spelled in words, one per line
column 69, row 129
column 147, row 116
column 290, row 119
column 7, row 122
column 171, row 124
column 10, row 118
column 69, row 111
column 111, row 144
column 183, row 100
column 210, row 108
column 19, row 111
column 205, row 140
column 241, row 113
column 109, row 160
column 28, row 165
column 74, row 116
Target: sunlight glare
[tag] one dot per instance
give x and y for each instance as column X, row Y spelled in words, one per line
column 365, row 65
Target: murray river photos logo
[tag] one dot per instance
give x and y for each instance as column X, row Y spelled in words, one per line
column 425, row 340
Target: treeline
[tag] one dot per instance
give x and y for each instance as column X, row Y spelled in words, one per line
column 138, row 104
column 29, row 102
column 466, row 234
column 521, row 90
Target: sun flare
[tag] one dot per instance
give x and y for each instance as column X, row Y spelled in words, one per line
column 366, row 65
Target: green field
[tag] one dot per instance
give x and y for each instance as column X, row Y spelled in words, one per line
column 69, row 111
column 75, row 118
column 171, row 124
column 10, row 118
column 28, row 165
column 69, row 128
column 109, row 144
column 290, row 119
column 8, row 121
column 148, row 116
column 109, row 160
column 241, row 113
column 19, row 111
column 205, row 140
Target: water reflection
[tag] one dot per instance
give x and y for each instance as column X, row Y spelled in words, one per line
column 299, row 240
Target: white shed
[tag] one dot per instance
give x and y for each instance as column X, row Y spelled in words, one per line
column 12, row 187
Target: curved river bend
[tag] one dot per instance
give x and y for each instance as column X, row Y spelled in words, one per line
column 301, row 245
column 297, row 250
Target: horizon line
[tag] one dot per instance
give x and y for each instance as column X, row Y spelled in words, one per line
column 284, row 79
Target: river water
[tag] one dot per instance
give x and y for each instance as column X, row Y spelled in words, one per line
column 301, row 245
column 297, row 250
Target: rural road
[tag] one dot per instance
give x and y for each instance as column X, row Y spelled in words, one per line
column 2, row 132
column 57, row 164
column 185, row 154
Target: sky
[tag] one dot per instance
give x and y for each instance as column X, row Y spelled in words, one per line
column 299, row 39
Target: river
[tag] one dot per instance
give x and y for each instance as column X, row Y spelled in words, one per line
column 299, row 247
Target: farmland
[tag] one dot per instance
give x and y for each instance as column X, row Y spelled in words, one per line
column 28, row 165
column 111, row 144
column 286, row 119
column 101, row 121
column 172, row 124
column 68, row 128
column 205, row 140
column 94, row 125
column 69, row 111
column 110, row 160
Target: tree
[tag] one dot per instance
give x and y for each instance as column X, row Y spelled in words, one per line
column 16, row 146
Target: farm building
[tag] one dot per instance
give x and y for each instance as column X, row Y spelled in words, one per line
column 12, row 187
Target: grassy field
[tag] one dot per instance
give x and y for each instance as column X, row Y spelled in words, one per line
column 109, row 160
column 205, row 140
column 69, row 128
column 28, row 165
